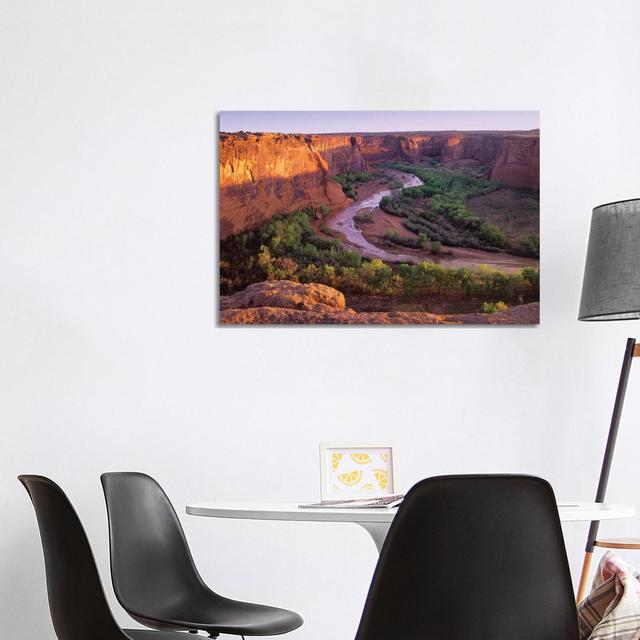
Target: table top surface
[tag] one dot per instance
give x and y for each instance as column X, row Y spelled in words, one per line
column 290, row 511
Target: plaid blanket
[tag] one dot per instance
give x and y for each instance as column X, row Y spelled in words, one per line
column 612, row 610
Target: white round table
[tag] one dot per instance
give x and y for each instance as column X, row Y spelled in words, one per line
column 377, row 521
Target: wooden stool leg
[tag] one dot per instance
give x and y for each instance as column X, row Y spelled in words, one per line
column 584, row 576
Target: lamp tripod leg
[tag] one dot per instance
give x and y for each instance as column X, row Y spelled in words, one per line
column 629, row 354
column 584, row 576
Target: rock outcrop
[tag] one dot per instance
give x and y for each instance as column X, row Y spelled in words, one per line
column 262, row 174
column 289, row 303
column 285, row 294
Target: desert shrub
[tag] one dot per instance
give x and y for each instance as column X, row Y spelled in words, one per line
column 351, row 259
column 327, row 275
column 309, row 273
column 423, row 240
column 364, row 217
column 492, row 235
column 279, row 268
column 532, row 276
column 436, row 246
column 311, row 251
column 427, row 214
column 350, row 280
column 390, row 235
column 403, row 241
column 493, row 307
column 283, row 269
column 528, row 246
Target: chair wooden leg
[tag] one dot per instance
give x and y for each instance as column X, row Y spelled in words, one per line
column 584, row 576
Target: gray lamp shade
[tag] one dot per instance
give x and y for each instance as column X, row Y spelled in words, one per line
column 611, row 285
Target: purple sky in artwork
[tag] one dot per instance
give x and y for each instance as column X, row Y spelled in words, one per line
column 376, row 121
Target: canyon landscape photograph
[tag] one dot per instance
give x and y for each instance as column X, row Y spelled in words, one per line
column 379, row 218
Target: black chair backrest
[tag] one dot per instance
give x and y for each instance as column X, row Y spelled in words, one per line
column 473, row 558
column 150, row 559
column 79, row 609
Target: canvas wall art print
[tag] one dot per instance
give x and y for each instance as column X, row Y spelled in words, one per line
column 378, row 218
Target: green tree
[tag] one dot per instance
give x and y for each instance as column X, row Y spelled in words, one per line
column 310, row 251
column 390, row 235
column 351, row 259
column 532, row 276
column 377, row 275
column 530, row 245
column 464, row 277
column 431, row 276
column 492, row 235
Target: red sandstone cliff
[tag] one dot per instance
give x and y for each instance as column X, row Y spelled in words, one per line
column 262, row 174
column 518, row 162
column 268, row 173
column 511, row 157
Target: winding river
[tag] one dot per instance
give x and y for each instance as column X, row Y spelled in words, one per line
column 343, row 222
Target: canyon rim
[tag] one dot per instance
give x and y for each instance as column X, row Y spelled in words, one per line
column 379, row 217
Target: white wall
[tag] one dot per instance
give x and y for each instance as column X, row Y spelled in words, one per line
column 110, row 357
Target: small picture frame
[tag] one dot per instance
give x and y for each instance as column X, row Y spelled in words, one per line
column 352, row 470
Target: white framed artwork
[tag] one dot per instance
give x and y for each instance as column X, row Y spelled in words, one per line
column 357, row 470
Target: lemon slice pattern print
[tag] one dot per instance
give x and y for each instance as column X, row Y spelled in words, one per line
column 382, row 477
column 360, row 472
column 350, row 478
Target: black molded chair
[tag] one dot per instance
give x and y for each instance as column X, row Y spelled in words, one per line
column 78, row 606
column 154, row 576
column 473, row 558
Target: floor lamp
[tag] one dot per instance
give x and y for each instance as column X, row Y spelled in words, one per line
column 611, row 291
